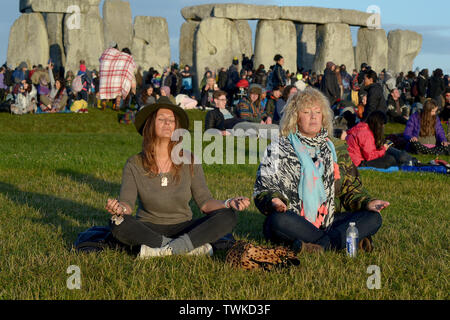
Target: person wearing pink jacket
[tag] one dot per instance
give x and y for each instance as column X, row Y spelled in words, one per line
column 368, row 148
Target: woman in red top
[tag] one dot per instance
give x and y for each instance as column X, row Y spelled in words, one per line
column 368, row 148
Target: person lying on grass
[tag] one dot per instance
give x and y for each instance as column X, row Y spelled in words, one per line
column 308, row 186
column 163, row 224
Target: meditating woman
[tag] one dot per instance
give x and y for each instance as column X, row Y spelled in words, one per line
column 309, row 188
column 164, row 184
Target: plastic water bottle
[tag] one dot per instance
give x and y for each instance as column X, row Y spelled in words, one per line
column 352, row 236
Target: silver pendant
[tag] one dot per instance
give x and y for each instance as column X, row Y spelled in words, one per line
column 164, row 181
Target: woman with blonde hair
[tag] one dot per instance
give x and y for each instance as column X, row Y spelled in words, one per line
column 164, row 184
column 307, row 185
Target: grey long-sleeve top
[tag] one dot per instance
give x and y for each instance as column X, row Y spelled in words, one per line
column 158, row 204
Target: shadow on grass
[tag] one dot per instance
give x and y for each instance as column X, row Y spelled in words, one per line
column 101, row 186
column 72, row 217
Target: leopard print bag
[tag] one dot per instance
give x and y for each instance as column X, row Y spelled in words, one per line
column 249, row 257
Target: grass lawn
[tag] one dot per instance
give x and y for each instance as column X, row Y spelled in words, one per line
column 57, row 171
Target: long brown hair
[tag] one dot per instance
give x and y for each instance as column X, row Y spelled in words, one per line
column 376, row 121
column 427, row 121
column 148, row 153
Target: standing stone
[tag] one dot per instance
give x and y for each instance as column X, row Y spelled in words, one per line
column 306, row 45
column 245, row 37
column 28, row 41
column 84, row 45
column 216, row 44
column 151, row 45
column 404, row 46
column 276, row 37
column 372, row 48
column 186, row 46
column 54, row 22
column 334, row 43
column 118, row 23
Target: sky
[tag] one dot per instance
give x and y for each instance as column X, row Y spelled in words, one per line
column 429, row 18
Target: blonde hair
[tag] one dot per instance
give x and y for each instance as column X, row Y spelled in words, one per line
column 306, row 99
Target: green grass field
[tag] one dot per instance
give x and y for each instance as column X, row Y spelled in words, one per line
column 57, row 171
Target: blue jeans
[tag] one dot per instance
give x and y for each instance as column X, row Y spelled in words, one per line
column 287, row 228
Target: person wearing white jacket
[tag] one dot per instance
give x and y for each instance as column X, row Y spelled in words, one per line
column 25, row 101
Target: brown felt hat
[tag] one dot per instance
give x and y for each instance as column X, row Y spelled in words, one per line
column 161, row 103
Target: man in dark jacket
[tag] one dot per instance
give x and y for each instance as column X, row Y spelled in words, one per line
column 375, row 97
column 232, row 80
column 220, row 117
column 330, row 86
column 397, row 110
column 422, row 86
column 278, row 73
column 436, row 87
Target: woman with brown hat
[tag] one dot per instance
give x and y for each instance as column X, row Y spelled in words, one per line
column 164, row 187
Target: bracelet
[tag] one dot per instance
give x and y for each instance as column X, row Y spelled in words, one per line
column 227, row 203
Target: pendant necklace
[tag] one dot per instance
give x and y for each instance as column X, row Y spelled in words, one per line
column 163, row 175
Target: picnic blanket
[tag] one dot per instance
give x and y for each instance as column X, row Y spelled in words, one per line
column 423, row 168
column 116, row 74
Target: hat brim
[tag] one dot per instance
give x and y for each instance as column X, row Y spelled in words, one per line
column 147, row 111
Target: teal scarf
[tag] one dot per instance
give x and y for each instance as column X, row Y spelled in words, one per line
column 311, row 189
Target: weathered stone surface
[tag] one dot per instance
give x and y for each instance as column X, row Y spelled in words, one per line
column 216, row 44
column 237, row 11
column 186, row 46
column 245, row 37
column 84, row 44
column 404, row 46
column 306, row 45
column 319, row 15
column 372, row 48
column 334, row 43
column 118, row 23
column 151, row 45
column 54, row 22
column 197, row 13
column 28, row 41
column 56, row 6
column 276, row 37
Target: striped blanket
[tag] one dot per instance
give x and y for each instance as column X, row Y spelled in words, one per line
column 116, row 74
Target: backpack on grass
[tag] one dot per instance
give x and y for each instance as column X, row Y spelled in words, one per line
column 95, row 239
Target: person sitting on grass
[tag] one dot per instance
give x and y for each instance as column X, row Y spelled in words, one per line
column 147, row 96
column 288, row 92
column 368, row 148
column 207, row 94
column 425, row 133
column 164, row 182
column 307, row 185
column 56, row 99
column 220, row 117
column 250, row 108
column 25, row 99
column 397, row 110
column 272, row 101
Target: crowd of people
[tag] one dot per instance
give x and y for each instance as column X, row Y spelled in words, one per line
column 244, row 97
